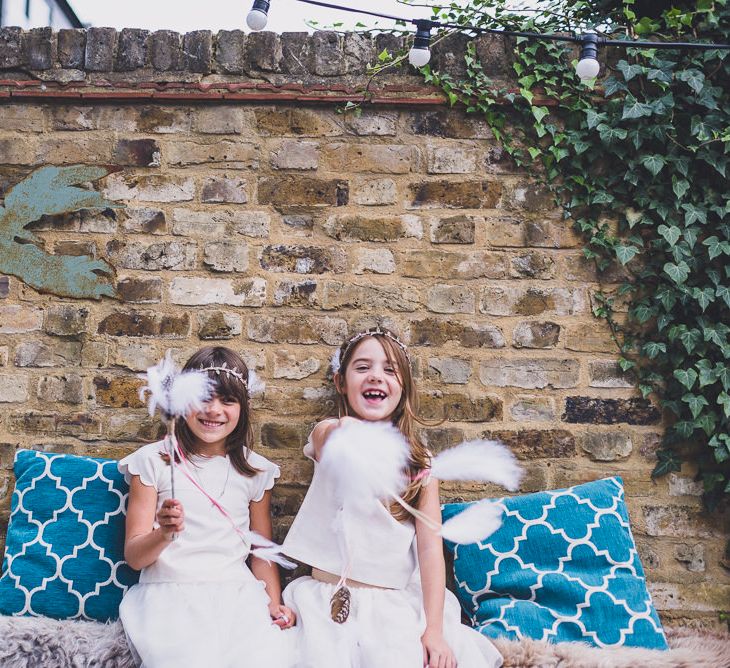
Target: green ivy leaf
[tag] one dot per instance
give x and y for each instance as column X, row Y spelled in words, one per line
column 667, row 461
column 693, row 78
column 694, row 214
column 629, row 70
column 610, row 134
column 677, row 272
column 680, row 187
column 626, row 253
column 671, row 234
column 687, row 377
column 654, row 163
column 704, row 297
column 635, row 109
column 653, row 348
column 724, row 400
column 695, row 402
column 723, row 292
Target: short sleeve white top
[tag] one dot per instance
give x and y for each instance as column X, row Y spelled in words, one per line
column 382, row 549
column 208, row 549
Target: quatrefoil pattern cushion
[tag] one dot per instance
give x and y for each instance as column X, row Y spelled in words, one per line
column 562, row 567
column 64, row 553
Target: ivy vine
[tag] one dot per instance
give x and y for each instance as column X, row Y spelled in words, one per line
column 639, row 163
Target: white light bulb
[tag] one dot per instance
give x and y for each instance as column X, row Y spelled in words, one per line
column 587, row 68
column 256, row 19
column 419, row 57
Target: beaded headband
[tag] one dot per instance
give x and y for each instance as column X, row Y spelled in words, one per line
column 253, row 384
column 340, row 353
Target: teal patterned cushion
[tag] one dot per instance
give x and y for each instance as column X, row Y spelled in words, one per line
column 64, row 553
column 562, row 567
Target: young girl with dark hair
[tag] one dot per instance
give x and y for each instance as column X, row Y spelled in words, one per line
column 197, row 602
column 380, row 601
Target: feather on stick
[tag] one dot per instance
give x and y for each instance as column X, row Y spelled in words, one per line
column 485, row 461
column 477, row 522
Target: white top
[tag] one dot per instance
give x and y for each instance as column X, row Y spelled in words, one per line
column 209, row 549
column 382, row 549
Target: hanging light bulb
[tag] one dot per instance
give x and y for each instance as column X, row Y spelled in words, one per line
column 259, row 15
column 588, row 66
column 420, row 54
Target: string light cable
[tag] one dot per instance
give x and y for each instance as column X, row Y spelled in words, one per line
column 419, row 55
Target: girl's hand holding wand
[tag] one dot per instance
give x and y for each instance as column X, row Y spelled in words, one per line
column 171, row 518
column 282, row 616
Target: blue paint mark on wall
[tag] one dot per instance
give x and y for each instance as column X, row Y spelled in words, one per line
column 50, row 191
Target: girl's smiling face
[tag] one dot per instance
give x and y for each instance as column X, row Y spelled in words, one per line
column 371, row 383
column 213, row 424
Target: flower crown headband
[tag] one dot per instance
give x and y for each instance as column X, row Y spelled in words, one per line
column 253, row 383
column 341, row 353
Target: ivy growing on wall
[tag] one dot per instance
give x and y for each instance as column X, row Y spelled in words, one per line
column 640, row 165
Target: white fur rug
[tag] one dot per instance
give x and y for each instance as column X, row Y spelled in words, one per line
column 33, row 642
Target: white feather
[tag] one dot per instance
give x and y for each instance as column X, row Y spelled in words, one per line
column 255, row 385
column 365, row 461
column 271, row 554
column 485, row 461
column 474, row 524
column 175, row 393
column 335, row 361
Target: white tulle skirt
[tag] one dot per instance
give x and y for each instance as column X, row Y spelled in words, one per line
column 197, row 625
column 383, row 629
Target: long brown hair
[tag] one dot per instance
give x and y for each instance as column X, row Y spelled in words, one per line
column 226, row 385
column 405, row 415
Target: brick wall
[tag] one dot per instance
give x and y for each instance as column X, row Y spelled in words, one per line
column 252, row 214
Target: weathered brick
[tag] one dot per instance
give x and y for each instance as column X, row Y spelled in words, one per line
column 73, row 118
column 540, row 233
column 453, row 230
column 372, row 123
column 143, row 221
column 691, row 555
column 533, row 301
column 536, row 335
column 149, row 188
column 224, row 190
column 140, row 290
column 136, row 153
column 16, row 319
column 166, row 50
column 42, row 354
column 530, row 196
column 75, row 248
column 451, row 124
column 529, row 373
column 532, row 265
column 220, row 223
column 355, row 227
column 198, row 51
column 293, row 368
column 327, row 56
column 219, row 154
column 451, row 160
column 291, row 191
column 285, row 435
column 450, row 370
column 238, row 292
column 13, row 388
column 4, row 356
column 65, row 320
column 22, row 117
column 118, row 392
column 378, row 298
column 306, row 330
column 226, row 256
column 100, row 44
column 536, row 443
column 163, row 120
column 131, row 49
column 262, row 52
column 456, row 194
column 607, row 373
column 145, row 323
column 446, row 264
column 304, row 259
column 433, row 332
column 450, row 299
column 295, row 154
column 229, row 51
column 71, row 48
column 589, row 338
column 296, row 293
column 460, row 407
column 11, row 51
column 440, row 438
column 607, row 446
column 223, row 120
column 40, row 48
column 173, row 255
column 380, row 158
column 677, row 521
column 279, row 122
column 135, row 356
column 90, row 221
column 531, row 408
column 4, row 287
column 375, row 192
column 218, row 325
column 374, row 260
column 95, row 354
column 358, row 48
column 610, row 411
column 66, row 389
column 295, row 52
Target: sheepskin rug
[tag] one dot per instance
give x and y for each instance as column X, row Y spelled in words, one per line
column 33, row 642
